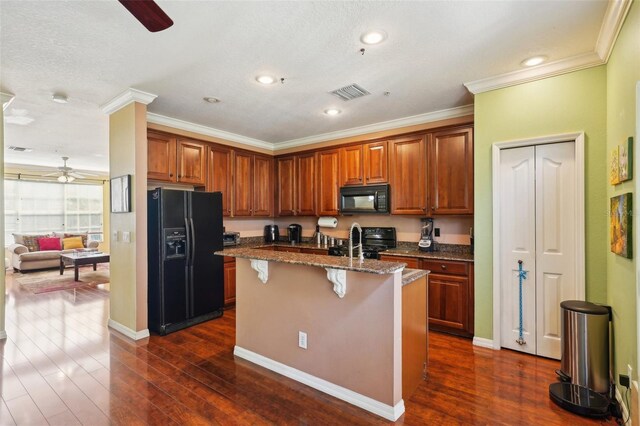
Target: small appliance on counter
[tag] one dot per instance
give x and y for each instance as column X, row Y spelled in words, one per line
column 426, row 235
column 271, row 234
column 295, row 233
column 230, row 238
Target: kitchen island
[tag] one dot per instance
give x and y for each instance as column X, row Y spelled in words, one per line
column 351, row 314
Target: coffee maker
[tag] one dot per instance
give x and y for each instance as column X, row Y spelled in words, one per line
column 426, row 235
column 295, row 233
column 271, row 234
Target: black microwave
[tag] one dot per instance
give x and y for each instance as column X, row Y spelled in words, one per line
column 364, row 199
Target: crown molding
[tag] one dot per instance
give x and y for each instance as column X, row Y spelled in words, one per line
column 208, row 131
column 125, row 98
column 551, row 69
column 6, row 98
column 611, row 25
column 377, row 127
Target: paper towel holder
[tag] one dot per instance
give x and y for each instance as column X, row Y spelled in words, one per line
column 327, row 222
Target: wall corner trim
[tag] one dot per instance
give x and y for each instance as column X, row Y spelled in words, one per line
column 6, row 98
column 135, row 335
column 485, row 343
column 388, row 412
column 611, row 26
column 125, row 98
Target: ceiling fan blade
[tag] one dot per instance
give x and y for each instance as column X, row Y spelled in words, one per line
column 76, row 175
column 51, row 174
column 84, row 174
column 148, row 13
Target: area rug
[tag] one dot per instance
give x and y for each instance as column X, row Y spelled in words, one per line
column 48, row 281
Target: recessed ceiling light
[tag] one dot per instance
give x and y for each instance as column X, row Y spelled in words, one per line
column 59, row 98
column 373, row 37
column 533, row 61
column 211, row 100
column 265, row 79
column 332, row 111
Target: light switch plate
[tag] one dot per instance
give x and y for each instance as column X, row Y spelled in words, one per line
column 114, row 236
column 126, row 236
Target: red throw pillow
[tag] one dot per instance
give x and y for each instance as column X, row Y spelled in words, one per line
column 49, row 243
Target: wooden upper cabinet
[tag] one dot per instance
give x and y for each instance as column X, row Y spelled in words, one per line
column 375, row 163
column 191, row 162
column 305, row 184
column 161, row 157
column 219, row 175
column 243, row 176
column 262, row 186
column 451, row 172
column 328, row 182
column 285, row 184
column 407, row 175
column 351, row 165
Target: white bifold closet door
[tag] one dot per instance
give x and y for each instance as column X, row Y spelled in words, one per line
column 538, row 226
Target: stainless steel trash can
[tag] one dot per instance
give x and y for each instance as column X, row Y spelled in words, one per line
column 585, row 344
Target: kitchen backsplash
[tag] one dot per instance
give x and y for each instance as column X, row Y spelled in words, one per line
column 453, row 229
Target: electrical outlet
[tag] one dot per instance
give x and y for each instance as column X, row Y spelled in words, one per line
column 436, row 232
column 302, row 339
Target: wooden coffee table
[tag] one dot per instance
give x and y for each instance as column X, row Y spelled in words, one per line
column 82, row 258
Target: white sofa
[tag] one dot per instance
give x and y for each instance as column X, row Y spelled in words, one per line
column 23, row 260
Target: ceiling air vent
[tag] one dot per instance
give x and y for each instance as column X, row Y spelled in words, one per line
column 350, row 92
column 19, row 149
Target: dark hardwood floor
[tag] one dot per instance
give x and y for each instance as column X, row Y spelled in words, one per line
column 62, row 365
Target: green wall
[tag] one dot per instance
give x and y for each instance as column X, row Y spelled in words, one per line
column 623, row 73
column 574, row 102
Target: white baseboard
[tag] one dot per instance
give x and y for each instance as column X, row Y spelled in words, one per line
column 135, row 335
column 386, row 411
column 3, row 334
column 484, row 343
column 623, row 405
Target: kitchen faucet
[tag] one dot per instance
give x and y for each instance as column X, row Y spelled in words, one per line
column 360, row 254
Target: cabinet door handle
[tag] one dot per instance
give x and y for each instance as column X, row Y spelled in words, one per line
column 443, row 266
column 433, row 207
column 170, row 174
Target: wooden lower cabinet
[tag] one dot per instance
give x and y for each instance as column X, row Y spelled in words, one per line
column 451, row 296
column 450, row 289
column 229, row 281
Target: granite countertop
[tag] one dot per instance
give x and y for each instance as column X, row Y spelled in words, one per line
column 411, row 275
column 320, row 260
column 453, row 252
column 436, row 255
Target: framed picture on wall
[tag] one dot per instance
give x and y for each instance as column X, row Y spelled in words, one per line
column 625, row 161
column 121, row 194
column 620, row 226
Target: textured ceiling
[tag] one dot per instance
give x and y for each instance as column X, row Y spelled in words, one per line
column 94, row 50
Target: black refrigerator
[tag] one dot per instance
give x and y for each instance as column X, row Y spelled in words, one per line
column 186, row 280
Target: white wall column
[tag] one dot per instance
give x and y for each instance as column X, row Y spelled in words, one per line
column 6, row 100
column 128, row 231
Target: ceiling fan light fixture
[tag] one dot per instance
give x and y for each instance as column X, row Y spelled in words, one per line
column 66, row 179
column 265, row 79
column 373, row 37
column 59, row 98
column 533, row 61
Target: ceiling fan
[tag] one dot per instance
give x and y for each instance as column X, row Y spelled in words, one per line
column 66, row 174
column 148, row 13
